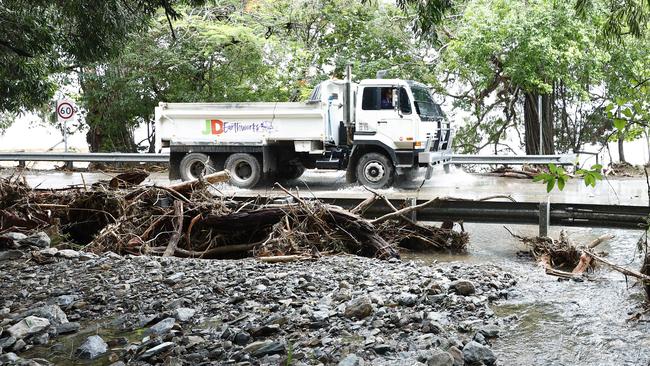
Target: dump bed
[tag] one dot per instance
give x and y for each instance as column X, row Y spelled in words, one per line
column 237, row 123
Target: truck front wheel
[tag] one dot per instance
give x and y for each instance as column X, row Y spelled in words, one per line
column 245, row 170
column 375, row 170
column 195, row 165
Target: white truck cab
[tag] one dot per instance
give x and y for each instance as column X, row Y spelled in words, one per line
column 375, row 129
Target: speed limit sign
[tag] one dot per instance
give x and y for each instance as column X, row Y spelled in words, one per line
column 65, row 110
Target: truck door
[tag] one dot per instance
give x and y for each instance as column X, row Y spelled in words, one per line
column 378, row 114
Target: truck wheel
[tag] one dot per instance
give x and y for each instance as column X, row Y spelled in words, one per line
column 375, row 170
column 244, row 169
column 291, row 171
column 195, row 165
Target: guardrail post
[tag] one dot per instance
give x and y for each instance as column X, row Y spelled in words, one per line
column 21, row 164
column 544, row 218
column 414, row 214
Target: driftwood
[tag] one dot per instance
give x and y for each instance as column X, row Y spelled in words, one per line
column 193, row 185
column 628, row 272
column 186, row 220
column 178, row 229
column 585, row 258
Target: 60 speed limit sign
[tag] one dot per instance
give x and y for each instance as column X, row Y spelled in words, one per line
column 65, row 110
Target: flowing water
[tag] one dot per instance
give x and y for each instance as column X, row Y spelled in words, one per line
column 564, row 322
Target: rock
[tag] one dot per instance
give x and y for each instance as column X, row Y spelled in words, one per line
column 440, row 358
column 39, row 239
column 474, row 352
column 156, row 350
column 13, row 237
column 64, row 300
column 351, row 360
column 93, row 347
column 359, row 308
column 162, row 327
column 265, row 330
column 457, row 354
column 490, row 331
column 242, row 338
column 7, row 342
column 85, row 256
column 9, row 359
column 53, row 313
column 28, row 326
column 66, row 328
column 261, row 348
column 194, row 340
column 175, row 278
column 463, row 287
column 407, row 299
column 382, row 349
column 11, row 255
column 184, row 314
column 19, row 345
column 48, row 252
column 68, row 254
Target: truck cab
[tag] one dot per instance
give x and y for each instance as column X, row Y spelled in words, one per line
column 399, row 119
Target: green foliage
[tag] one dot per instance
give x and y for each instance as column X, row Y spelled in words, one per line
column 592, row 175
column 557, row 175
column 40, row 38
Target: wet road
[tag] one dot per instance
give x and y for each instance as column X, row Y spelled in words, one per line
column 327, row 184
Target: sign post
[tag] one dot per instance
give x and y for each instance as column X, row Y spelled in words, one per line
column 65, row 111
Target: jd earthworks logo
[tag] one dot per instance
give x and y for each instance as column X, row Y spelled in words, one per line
column 218, row 127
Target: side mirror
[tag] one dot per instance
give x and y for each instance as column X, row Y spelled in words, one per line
column 396, row 99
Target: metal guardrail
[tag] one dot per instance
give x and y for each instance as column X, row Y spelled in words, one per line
column 162, row 158
column 567, row 159
column 496, row 212
column 86, row 157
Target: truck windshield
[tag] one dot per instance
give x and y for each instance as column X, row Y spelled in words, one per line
column 425, row 105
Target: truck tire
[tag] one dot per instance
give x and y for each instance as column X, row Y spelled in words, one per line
column 245, row 170
column 195, row 165
column 291, row 171
column 375, row 170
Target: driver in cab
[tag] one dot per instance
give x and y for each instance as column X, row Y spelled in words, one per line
column 386, row 98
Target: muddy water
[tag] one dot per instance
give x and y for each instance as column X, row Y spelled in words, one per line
column 567, row 322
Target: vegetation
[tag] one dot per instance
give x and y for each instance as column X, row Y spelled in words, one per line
column 492, row 60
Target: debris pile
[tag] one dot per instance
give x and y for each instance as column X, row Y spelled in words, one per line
column 187, row 220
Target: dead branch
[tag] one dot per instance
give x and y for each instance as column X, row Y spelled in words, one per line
column 178, row 229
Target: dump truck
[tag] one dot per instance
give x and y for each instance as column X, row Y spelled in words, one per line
column 375, row 130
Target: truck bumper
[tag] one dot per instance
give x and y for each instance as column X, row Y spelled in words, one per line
column 436, row 152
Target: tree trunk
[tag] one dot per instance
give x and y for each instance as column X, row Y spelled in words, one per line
column 621, row 150
column 531, row 122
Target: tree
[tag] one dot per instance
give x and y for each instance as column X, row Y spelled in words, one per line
column 39, row 38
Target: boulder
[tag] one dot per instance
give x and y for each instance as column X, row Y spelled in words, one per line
column 474, row 352
column 359, row 308
column 93, row 347
column 440, row 358
column 28, row 326
column 39, row 239
column 162, row 327
column 463, row 287
column 53, row 313
column 184, row 314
